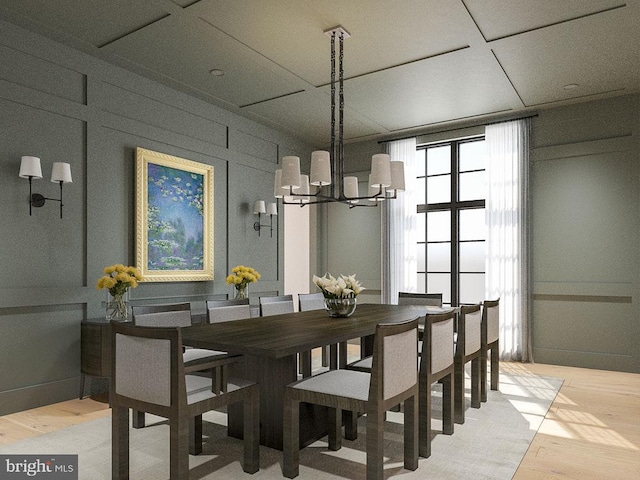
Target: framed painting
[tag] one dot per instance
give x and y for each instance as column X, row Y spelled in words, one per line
column 174, row 218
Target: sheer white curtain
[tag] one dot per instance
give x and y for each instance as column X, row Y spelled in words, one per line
column 507, row 262
column 399, row 223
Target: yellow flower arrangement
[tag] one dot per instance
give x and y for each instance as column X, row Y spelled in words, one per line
column 242, row 276
column 118, row 278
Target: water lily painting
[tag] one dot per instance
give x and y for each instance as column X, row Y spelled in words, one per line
column 174, row 218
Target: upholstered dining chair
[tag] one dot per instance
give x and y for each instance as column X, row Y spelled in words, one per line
column 422, row 299
column 228, row 310
column 490, row 340
column 393, row 379
column 315, row 301
column 411, row 298
column 468, row 349
column 195, row 359
column 148, row 374
column 436, row 365
column 275, row 305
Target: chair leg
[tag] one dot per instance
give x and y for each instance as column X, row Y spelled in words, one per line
column 483, row 374
column 305, row 364
column 458, row 391
column 475, row 382
column 495, row 366
column 447, row 404
column 138, row 419
column 335, row 428
column 350, row 425
column 291, row 438
column 333, row 356
column 195, row 435
column 411, row 433
column 82, row 377
column 375, row 444
column 424, row 423
column 342, row 355
column 252, row 431
column 178, row 448
column 119, row 443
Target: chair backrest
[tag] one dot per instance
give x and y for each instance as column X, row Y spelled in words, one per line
column 165, row 307
column 428, row 299
column 394, row 369
column 175, row 318
column 469, row 330
column 437, row 346
column 276, row 305
column 228, row 310
column 490, row 321
column 146, row 365
column 310, row 301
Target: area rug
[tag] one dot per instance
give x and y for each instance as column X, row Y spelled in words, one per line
column 489, row 445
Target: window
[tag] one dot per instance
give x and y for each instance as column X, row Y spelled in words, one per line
column 451, row 225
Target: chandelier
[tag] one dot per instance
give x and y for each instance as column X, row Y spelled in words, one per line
column 326, row 181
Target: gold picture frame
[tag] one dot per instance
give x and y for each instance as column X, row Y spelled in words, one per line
column 174, row 218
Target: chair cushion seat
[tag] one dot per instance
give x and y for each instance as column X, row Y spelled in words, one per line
column 345, row 383
column 362, row 364
column 195, row 356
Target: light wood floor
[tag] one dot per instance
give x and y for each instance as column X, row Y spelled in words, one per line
column 591, row 432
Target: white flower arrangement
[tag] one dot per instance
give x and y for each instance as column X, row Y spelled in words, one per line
column 345, row 286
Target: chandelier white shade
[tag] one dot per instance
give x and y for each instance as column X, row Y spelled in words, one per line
column 326, row 181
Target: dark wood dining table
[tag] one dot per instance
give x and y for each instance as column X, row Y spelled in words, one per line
column 270, row 345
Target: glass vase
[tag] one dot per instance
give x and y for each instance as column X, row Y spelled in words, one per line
column 117, row 307
column 340, row 307
column 241, row 291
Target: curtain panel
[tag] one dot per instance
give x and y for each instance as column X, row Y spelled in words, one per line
column 507, row 220
column 399, row 224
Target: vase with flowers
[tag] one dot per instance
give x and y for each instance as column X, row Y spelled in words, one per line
column 339, row 293
column 240, row 277
column 117, row 281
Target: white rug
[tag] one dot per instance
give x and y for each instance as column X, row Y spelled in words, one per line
column 490, row 444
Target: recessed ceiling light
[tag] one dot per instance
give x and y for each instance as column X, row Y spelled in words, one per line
column 217, row 72
column 570, row 86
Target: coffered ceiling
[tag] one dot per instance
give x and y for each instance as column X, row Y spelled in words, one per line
column 409, row 64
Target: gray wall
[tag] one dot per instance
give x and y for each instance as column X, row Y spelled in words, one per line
column 62, row 105
column 585, row 196
column 585, row 190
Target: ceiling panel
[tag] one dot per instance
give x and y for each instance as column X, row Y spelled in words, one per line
column 586, row 52
column 96, row 22
column 290, row 32
column 186, row 49
column 501, row 18
column 308, row 116
column 466, row 82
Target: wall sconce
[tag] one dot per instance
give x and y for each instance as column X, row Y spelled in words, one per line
column 260, row 209
column 30, row 168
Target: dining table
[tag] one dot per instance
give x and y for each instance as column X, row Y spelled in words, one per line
column 269, row 347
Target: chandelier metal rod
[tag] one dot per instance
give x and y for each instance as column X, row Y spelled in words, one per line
column 337, row 189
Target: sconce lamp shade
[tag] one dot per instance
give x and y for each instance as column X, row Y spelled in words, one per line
column 320, row 168
column 259, row 207
column 397, row 176
column 30, row 167
column 351, row 188
column 61, row 172
column 290, row 172
column 272, row 209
